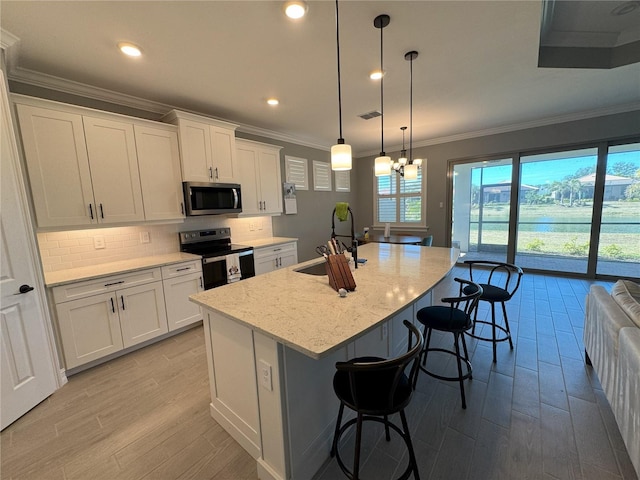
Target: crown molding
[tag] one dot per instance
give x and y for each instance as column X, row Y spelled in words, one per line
column 37, row 79
column 570, row 117
column 71, row 87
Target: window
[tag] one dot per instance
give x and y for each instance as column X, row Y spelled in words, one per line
column 399, row 201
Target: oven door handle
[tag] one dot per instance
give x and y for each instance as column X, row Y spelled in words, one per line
column 213, row 259
column 243, row 254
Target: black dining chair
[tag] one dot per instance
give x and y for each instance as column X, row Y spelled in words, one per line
column 457, row 319
column 502, row 284
column 376, row 388
column 427, row 241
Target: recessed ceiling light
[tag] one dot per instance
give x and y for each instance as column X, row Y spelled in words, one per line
column 129, row 49
column 273, row 101
column 376, row 75
column 295, row 9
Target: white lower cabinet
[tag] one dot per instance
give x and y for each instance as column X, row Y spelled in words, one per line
column 268, row 259
column 102, row 316
column 179, row 282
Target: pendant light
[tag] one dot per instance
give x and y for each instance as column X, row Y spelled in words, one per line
column 402, row 161
column 382, row 162
column 341, row 152
column 411, row 168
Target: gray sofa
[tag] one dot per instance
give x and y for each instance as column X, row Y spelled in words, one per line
column 612, row 344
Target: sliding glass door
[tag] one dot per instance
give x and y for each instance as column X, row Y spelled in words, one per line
column 481, row 208
column 555, row 211
column 619, row 244
column 574, row 211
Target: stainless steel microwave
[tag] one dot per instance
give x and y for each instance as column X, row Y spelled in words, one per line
column 203, row 198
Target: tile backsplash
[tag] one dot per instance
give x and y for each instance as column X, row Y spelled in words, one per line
column 77, row 248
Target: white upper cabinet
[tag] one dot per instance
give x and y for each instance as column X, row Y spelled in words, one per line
column 207, row 148
column 58, row 165
column 91, row 167
column 259, row 166
column 160, row 178
column 114, row 170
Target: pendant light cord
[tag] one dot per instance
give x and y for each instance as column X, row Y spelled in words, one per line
column 382, row 153
column 410, row 162
column 338, row 54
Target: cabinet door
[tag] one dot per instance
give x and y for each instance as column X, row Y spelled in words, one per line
column 142, row 313
column 248, row 167
column 114, row 170
column 269, row 177
column 89, row 329
column 59, row 175
column 180, row 310
column 288, row 258
column 265, row 264
column 160, row 177
column 195, row 149
column 223, row 146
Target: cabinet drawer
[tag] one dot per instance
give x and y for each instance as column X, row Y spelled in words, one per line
column 178, row 269
column 73, row 291
column 274, row 250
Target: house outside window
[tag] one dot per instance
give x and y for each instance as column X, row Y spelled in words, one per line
column 398, row 201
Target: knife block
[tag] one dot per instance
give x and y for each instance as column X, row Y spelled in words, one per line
column 339, row 273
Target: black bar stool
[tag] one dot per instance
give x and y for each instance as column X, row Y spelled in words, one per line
column 504, row 280
column 454, row 318
column 374, row 387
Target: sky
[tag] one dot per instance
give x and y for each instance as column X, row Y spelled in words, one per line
column 545, row 170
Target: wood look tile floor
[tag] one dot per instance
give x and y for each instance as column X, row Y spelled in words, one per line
column 538, row 413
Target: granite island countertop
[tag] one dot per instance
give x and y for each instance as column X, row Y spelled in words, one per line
column 61, row 277
column 304, row 313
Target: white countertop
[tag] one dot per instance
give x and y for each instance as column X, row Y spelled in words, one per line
column 61, row 277
column 268, row 242
column 303, row 312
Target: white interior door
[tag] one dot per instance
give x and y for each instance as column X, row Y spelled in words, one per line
column 26, row 357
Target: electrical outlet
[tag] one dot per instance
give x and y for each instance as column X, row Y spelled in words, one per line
column 144, row 237
column 441, row 204
column 265, row 375
column 98, row 242
column 252, row 226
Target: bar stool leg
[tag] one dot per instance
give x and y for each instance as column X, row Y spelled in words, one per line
column 464, row 403
column 466, row 353
column 356, row 457
column 387, row 435
column 412, row 456
column 506, row 324
column 334, row 446
column 493, row 330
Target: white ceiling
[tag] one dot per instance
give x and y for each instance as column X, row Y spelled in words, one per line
column 476, row 70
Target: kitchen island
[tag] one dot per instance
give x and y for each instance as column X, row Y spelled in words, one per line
column 272, row 342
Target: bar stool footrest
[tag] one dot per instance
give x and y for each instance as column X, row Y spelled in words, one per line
column 491, row 339
column 405, row 475
column 449, row 379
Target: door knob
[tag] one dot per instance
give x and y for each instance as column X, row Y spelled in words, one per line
column 24, row 289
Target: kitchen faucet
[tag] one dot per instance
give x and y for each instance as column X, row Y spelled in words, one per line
column 354, row 243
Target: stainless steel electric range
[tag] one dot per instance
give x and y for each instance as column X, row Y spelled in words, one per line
column 215, row 246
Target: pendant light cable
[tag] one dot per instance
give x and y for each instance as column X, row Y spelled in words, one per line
column 340, row 153
column 339, row 87
column 382, row 164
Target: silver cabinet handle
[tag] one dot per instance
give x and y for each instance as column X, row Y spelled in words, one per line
column 101, row 211
column 181, row 208
column 201, row 285
column 122, row 300
column 217, row 177
column 113, row 283
column 91, row 211
column 113, row 307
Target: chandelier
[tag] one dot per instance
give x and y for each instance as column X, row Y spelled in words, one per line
column 408, row 167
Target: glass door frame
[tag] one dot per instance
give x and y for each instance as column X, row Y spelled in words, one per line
column 598, row 199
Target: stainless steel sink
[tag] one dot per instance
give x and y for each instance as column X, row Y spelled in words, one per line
column 318, row 269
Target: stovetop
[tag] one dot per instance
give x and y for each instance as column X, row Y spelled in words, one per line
column 211, row 242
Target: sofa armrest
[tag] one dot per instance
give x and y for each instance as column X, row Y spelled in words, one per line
column 626, row 407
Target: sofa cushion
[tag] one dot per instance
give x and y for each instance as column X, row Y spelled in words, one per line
column 627, row 295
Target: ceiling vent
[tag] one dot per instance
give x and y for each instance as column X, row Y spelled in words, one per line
column 370, row 115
